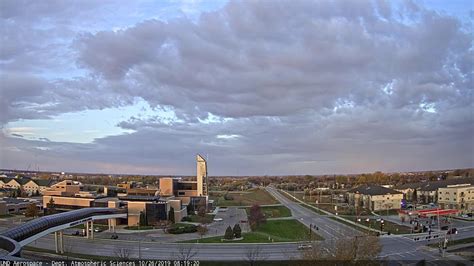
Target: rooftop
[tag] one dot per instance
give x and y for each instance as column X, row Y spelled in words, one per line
column 373, row 190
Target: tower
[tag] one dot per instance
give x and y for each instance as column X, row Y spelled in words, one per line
column 202, row 181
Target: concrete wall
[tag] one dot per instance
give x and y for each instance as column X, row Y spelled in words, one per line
column 166, row 186
column 67, row 201
column 179, row 214
column 384, row 202
column 134, row 209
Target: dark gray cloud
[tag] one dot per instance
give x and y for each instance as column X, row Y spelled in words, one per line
column 297, row 87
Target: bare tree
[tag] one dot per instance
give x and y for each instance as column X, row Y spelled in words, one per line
column 68, row 248
column 253, row 254
column 123, row 253
column 202, row 230
column 185, row 252
column 365, row 247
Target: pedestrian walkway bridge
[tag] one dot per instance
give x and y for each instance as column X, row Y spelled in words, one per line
column 14, row 239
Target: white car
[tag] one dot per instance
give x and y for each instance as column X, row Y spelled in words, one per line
column 305, row 246
column 218, row 219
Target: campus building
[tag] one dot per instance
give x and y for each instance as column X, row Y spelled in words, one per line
column 147, row 205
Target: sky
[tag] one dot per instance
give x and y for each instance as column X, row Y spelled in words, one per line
column 257, row 87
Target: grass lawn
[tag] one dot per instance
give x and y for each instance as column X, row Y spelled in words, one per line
column 273, row 211
column 388, row 226
column 244, row 198
column 278, row 230
column 455, row 242
column 366, row 231
column 390, row 212
column 136, row 227
column 206, row 219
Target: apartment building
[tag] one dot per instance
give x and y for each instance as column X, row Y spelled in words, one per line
column 375, row 198
column 460, row 197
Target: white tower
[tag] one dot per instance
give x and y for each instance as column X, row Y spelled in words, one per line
column 201, row 177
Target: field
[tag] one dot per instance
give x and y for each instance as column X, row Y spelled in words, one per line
column 271, row 231
column 244, row 198
column 273, row 211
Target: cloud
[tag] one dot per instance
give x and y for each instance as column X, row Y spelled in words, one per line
column 287, row 87
column 254, row 59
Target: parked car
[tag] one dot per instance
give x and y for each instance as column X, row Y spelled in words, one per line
column 452, row 231
column 444, row 227
column 114, row 236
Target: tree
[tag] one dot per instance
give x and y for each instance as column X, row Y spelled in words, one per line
column 185, row 253
column 237, row 231
column 202, row 211
column 253, row 254
column 202, row 230
column 122, row 253
column 171, row 215
column 142, row 219
column 229, row 234
column 256, row 217
column 31, row 210
column 51, row 207
column 415, row 196
column 190, row 209
column 365, row 247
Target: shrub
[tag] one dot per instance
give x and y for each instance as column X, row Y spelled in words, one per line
column 229, row 234
column 237, row 231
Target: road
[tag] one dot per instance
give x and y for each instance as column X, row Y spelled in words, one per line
column 170, row 251
column 393, row 247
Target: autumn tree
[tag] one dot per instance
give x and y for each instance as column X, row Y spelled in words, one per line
column 51, row 207
column 31, row 210
column 256, row 217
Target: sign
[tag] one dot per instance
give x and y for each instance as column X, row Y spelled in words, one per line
column 80, row 221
